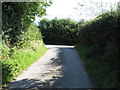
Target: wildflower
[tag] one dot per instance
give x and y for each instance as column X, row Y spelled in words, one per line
column 2, row 58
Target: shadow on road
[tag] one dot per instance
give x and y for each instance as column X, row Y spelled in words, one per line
column 28, row 83
column 72, row 73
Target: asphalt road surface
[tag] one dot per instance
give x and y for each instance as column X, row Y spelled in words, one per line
column 59, row 67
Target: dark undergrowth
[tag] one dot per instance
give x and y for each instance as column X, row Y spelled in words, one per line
column 102, row 74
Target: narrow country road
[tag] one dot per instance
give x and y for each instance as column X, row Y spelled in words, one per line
column 60, row 67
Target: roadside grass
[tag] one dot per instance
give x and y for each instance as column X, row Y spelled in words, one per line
column 101, row 73
column 19, row 61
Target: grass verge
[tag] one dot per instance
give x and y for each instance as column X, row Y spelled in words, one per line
column 101, row 73
column 20, row 60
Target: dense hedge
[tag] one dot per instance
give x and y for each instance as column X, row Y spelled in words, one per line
column 21, row 40
column 101, row 39
column 102, row 35
column 16, row 18
column 17, row 59
column 59, row 31
column 31, row 34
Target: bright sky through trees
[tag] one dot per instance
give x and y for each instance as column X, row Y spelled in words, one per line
column 66, row 9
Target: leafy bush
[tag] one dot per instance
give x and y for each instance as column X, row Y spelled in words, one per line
column 31, row 34
column 17, row 16
column 102, row 36
column 59, row 31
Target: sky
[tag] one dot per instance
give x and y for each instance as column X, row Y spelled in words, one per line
column 78, row 9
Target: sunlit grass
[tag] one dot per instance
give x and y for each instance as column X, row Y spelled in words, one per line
column 19, row 61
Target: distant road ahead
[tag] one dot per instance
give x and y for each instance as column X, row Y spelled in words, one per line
column 74, row 73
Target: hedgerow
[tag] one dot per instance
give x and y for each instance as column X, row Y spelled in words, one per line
column 102, row 35
column 101, row 47
column 59, row 31
column 19, row 60
column 21, row 42
column 17, row 17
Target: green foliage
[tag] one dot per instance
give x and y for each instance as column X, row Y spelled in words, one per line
column 17, row 16
column 31, row 34
column 100, row 47
column 102, row 35
column 102, row 74
column 59, row 31
column 19, row 60
column 21, row 43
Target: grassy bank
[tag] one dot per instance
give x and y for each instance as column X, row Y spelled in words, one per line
column 101, row 73
column 19, row 60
